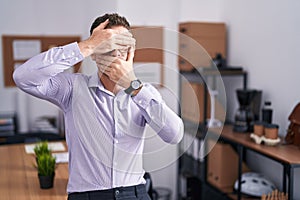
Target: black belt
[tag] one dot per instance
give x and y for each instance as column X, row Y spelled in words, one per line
column 114, row 193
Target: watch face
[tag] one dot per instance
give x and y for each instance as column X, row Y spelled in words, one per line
column 135, row 84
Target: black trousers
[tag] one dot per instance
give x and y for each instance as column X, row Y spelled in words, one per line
column 127, row 193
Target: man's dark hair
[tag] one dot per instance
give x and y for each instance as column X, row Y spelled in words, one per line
column 114, row 20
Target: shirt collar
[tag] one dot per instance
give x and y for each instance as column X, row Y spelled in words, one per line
column 94, row 82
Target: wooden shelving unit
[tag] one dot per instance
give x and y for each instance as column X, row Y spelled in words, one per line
column 194, row 168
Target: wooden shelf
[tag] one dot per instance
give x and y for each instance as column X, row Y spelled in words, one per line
column 198, row 77
column 285, row 153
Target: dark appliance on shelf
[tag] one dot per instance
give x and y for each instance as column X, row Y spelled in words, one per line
column 248, row 111
column 219, row 61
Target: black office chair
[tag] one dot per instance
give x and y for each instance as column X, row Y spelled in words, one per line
column 149, row 186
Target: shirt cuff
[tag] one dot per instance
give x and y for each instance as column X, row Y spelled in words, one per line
column 146, row 95
column 71, row 53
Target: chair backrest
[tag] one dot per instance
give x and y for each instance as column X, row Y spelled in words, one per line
column 149, row 184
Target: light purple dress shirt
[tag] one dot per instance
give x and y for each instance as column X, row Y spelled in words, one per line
column 104, row 132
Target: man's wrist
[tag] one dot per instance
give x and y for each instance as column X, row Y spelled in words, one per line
column 86, row 48
column 134, row 87
column 135, row 92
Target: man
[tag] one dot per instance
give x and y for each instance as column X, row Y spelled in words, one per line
column 105, row 114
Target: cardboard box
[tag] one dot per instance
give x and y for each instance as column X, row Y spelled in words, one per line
column 222, row 168
column 192, row 102
column 149, row 49
column 199, row 42
column 203, row 29
column 149, row 43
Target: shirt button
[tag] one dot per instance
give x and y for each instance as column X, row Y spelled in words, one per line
column 117, row 192
column 73, row 53
column 140, row 101
column 117, row 141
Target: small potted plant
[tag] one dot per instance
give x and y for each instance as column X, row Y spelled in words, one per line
column 45, row 165
column 46, row 170
column 41, row 148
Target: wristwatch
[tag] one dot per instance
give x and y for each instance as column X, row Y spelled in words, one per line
column 134, row 85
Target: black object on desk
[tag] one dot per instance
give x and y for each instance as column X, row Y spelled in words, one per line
column 30, row 138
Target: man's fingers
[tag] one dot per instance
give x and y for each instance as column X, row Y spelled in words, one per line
column 115, row 40
column 102, row 25
column 104, row 62
column 123, row 40
column 124, row 33
column 105, row 58
column 113, row 44
column 103, row 68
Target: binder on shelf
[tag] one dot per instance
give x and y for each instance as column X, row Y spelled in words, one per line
column 7, row 124
column 6, row 121
column 7, row 128
column 6, row 133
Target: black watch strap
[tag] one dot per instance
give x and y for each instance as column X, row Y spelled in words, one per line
column 134, row 85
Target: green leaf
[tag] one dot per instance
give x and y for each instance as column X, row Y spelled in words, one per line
column 46, row 164
column 41, row 148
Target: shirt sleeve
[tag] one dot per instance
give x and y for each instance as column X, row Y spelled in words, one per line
column 41, row 75
column 159, row 116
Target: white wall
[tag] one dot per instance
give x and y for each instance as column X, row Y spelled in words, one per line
column 200, row 10
column 264, row 37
